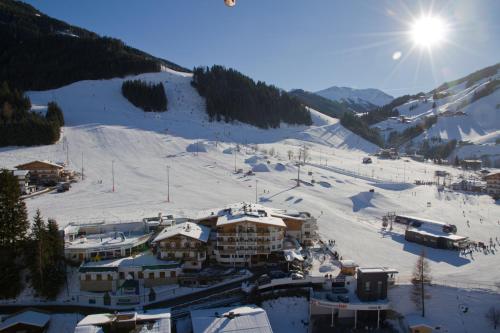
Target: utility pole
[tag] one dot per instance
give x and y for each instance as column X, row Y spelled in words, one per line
column 256, row 190
column 234, row 160
column 82, row 166
column 298, row 174
column 168, row 183
column 113, row 173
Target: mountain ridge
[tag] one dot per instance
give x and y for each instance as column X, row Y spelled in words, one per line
column 370, row 98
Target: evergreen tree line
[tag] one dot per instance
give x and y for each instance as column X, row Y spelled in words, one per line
column 436, row 152
column 39, row 248
column 38, row 52
column 326, row 106
column 144, row 95
column 356, row 125
column 384, row 112
column 21, row 127
column 232, row 96
column 397, row 139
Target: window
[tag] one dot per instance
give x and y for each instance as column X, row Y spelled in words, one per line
column 172, row 274
column 379, row 288
column 162, row 275
column 172, row 245
column 87, row 277
column 151, row 276
column 98, row 277
column 110, row 277
column 367, row 286
column 140, row 275
column 122, row 275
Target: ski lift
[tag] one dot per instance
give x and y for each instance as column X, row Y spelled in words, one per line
column 230, row 3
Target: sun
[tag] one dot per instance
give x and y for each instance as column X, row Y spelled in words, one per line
column 428, row 31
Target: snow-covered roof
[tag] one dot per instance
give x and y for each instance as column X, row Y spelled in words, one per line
column 438, row 233
column 377, row 270
column 88, row 329
column 187, row 229
column 97, row 319
column 28, row 317
column 269, row 220
column 421, row 219
column 291, row 255
column 348, row 263
column 161, row 318
column 43, row 162
column 108, row 240
column 247, row 319
column 415, row 320
column 142, row 260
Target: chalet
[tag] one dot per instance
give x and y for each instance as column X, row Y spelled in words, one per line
column 248, row 318
column 471, row 164
column 26, row 321
column 493, row 185
column 390, row 153
column 43, row 172
column 186, row 242
column 348, row 267
column 126, row 275
column 418, row 324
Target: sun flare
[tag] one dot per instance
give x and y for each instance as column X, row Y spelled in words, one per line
column 428, row 31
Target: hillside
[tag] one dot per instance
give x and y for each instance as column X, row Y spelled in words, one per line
column 324, row 105
column 39, row 52
column 466, row 111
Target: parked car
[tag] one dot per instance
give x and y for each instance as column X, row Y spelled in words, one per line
column 367, row 160
column 263, row 279
column 277, row 274
column 343, row 298
column 297, row 276
column 63, row 187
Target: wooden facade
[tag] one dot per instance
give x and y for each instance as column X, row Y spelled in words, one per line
column 43, row 171
column 192, row 252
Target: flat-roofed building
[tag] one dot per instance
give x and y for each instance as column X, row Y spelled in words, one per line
column 185, row 242
column 247, row 319
column 110, row 275
column 100, row 240
column 126, row 322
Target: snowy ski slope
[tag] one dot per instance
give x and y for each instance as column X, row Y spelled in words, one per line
column 105, row 127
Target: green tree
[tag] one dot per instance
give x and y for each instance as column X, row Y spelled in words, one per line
column 54, row 113
column 46, row 264
column 13, row 231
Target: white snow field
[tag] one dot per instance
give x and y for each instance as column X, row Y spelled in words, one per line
column 103, row 126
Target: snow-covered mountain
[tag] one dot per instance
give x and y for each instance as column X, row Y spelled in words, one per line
column 369, row 98
column 468, row 111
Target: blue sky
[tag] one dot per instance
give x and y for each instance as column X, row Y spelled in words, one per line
column 308, row 44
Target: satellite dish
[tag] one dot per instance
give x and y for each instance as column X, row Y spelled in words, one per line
column 230, row 3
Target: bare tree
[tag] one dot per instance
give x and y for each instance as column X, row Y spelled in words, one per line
column 290, row 154
column 421, row 277
column 493, row 316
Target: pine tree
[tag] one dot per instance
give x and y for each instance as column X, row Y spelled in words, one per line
column 46, row 260
column 421, row 277
column 39, row 256
column 13, row 230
